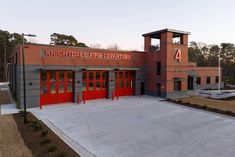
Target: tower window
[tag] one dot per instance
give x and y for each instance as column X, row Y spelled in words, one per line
column 155, row 46
column 177, row 38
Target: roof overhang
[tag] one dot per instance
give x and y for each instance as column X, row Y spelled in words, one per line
column 157, row 34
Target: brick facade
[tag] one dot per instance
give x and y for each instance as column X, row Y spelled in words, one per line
column 172, row 78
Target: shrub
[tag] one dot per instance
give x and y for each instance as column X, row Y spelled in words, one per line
column 62, row 154
column 44, row 133
column 29, row 121
column 36, row 126
column 34, row 121
column 52, row 148
column 204, row 107
column 21, row 112
column 45, row 141
column 214, row 109
column 17, row 104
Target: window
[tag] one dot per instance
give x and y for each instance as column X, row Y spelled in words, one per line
column 61, row 88
column 177, row 84
column 69, row 87
column 52, row 88
column 208, row 80
column 217, row 79
column 52, row 76
column 43, row 76
column 43, row 89
column 158, row 68
column 70, row 75
column 155, row 45
column 94, row 80
column 125, row 79
column 198, row 80
column 177, row 38
column 61, row 76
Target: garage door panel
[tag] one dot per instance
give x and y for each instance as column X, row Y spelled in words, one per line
column 56, row 87
column 124, row 83
column 94, row 85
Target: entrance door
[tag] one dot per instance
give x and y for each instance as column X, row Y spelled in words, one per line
column 190, row 83
column 94, row 85
column 142, row 88
column 124, row 83
column 158, row 89
column 56, row 87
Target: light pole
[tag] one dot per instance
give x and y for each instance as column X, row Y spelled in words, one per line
column 23, row 60
column 219, row 71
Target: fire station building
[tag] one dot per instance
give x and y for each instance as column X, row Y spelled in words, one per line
column 57, row 74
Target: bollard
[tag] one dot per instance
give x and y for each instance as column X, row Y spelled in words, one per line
column 84, row 101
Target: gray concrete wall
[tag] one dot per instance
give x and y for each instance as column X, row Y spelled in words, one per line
column 111, row 84
column 78, row 86
column 139, row 77
column 32, row 84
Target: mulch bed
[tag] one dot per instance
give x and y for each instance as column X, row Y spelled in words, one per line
column 42, row 141
column 4, row 97
column 198, row 106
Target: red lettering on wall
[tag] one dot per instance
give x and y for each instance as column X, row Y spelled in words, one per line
column 75, row 54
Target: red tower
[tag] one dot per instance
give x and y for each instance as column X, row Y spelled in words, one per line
column 166, row 62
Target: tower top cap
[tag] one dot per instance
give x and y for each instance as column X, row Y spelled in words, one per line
column 157, row 34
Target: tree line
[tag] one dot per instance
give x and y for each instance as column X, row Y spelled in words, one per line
column 207, row 56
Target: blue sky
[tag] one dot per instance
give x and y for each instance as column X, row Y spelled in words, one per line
column 122, row 22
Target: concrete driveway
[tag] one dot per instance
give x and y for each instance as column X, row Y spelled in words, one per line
column 141, row 127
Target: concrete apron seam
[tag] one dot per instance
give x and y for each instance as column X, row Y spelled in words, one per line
column 83, row 152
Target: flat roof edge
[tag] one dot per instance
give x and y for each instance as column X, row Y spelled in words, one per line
column 166, row 30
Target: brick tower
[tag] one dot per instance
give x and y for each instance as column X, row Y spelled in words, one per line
column 166, row 62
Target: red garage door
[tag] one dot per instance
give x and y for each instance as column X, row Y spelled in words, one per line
column 124, row 83
column 56, row 87
column 94, row 85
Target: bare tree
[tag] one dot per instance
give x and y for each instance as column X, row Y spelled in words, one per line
column 114, row 47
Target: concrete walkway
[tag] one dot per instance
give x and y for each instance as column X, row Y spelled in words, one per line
column 11, row 143
column 137, row 127
column 7, row 105
column 8, row 109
